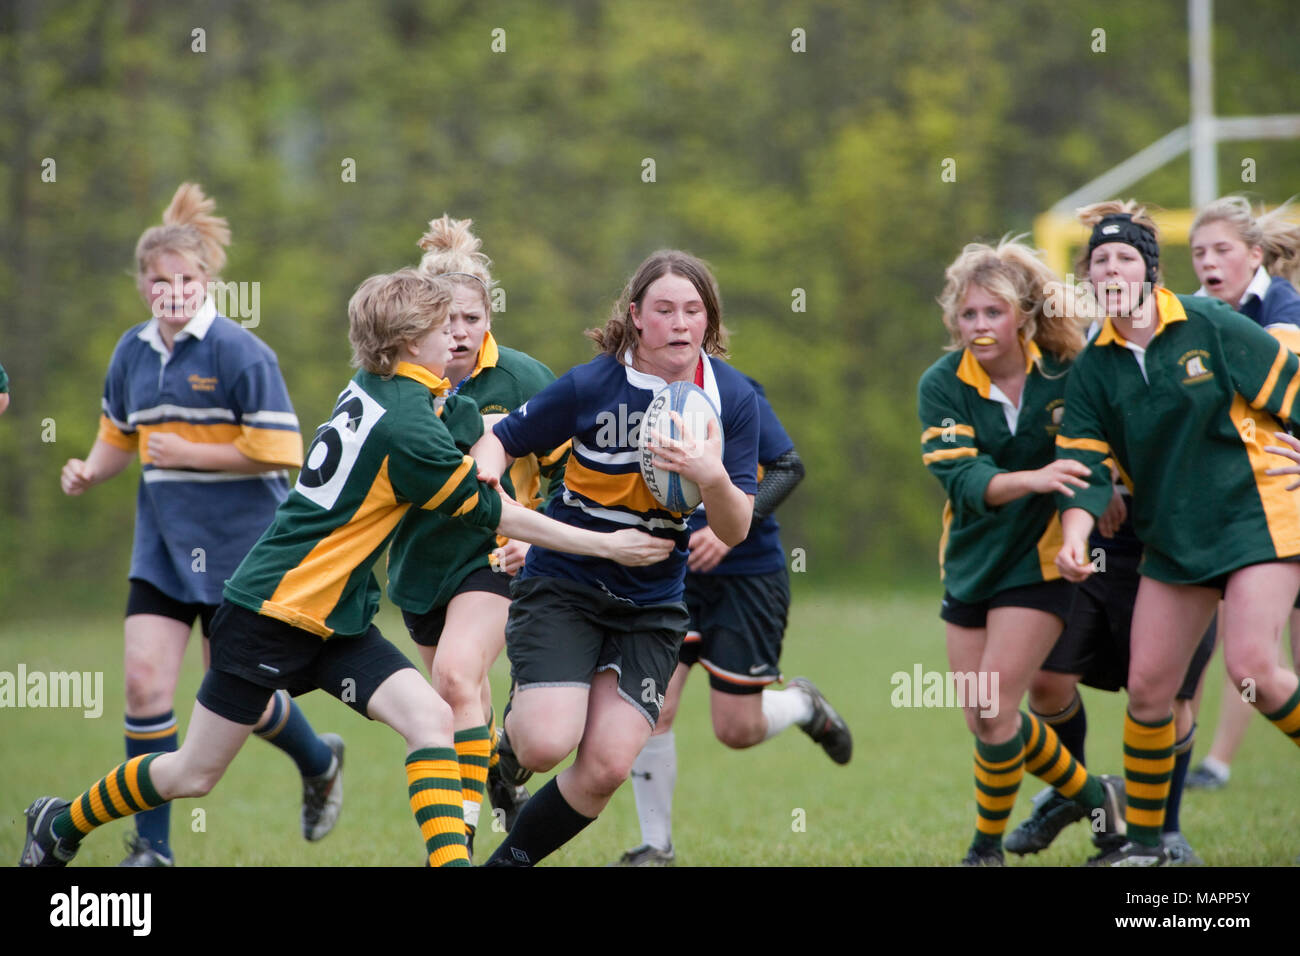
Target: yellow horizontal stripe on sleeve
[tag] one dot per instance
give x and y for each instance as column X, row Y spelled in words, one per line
column 275, row 446
column 946, row 453
column 110, row 434
column 937, row 432
column 451, row 484
column 1083, row 444
column 1270, row 382
column 626, row 491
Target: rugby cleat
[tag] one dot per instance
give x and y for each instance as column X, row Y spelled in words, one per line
column 1052, row 814
column 1179, row 850
column 507, row 798
column 646, row 855
column 142, row 853
column 42, row 847
column 1202, row 777
column 322, row 797
column 826, row 727
column 987, row 856
column 1132, row 854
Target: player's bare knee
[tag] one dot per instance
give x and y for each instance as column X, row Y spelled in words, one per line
column 145, row 696
column 540, row 754
column 739, row 734
column 455, row 684
column 996, row 728
column 1051, row 693
column 605, row 773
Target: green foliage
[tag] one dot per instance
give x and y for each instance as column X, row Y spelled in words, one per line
column 818, row 171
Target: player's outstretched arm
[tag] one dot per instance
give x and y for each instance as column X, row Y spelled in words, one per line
column 490, row 456
column 630, row 547
column 1057, row 477
column 103, row 462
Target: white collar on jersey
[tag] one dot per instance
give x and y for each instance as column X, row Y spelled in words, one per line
column 197, row 327
column 1259, row 286
column 654, row 383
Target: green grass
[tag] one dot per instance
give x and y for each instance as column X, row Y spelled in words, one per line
column 906, row 799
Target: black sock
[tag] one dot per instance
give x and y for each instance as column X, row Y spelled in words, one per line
column 1182, row 760
column 545, row 824
column 1071, row 725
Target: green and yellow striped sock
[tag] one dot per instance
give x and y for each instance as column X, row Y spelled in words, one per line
column 1287, row 717
column 999, row 769
column 433, row 781
column 1049, row 760
column 473, row 749
column 1148, row 768
column 124, row 790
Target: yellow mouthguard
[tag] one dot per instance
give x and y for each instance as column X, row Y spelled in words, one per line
column 984, row 340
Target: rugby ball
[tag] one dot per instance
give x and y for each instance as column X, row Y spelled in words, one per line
column 696, row 410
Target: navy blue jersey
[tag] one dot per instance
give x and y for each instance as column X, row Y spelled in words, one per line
column 218, row 384
column 761, row 552
column 600, row 405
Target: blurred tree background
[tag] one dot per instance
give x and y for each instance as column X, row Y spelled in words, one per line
column 795, row 145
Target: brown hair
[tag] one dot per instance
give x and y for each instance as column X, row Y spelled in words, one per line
column 1273, row 232
column 449, row 246
column 188, row 228
column 390, row 310
column 620, row 333
column 1014, row 273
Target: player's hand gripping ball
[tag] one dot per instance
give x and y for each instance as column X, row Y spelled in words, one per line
column 695, row 410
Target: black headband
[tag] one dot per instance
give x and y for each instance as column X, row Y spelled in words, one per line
column 1120, row 227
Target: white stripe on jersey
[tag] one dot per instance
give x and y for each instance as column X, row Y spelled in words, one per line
column 270, row 418
column 152, row 475
column 160, row 412
column 622, row 517
column 120, row 426
column 606, row 457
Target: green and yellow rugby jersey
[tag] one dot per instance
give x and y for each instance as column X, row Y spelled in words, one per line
column 1187, row 419
column 431, row 554
column 967, row 439
column 385, row 448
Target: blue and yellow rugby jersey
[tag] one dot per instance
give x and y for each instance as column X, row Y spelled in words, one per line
column 384, row 449
column 760, row 553
column 1187, row 419
column 967, row 440
column 432, row 554
column 600, row 404
column 220, row 384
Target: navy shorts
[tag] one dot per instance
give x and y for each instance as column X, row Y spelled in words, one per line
column 737, row 626
column 562, row 633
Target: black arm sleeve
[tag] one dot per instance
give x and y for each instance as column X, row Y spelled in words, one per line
column 779, row 479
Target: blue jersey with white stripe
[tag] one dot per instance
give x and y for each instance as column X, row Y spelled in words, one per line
column 219, row 384
column 760, row 553
column 600, row 405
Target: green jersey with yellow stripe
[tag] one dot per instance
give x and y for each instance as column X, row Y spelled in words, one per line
column 386, row 447
column 972, row 432
column 1187, row 419
column 432, row 554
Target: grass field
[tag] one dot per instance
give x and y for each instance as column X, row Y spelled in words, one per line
column 906, row 799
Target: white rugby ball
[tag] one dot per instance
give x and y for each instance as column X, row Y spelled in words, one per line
column 696, row 410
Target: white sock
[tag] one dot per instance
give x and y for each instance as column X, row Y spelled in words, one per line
column 1217, row 767
column 654, row 775
column 471, row 811
column 782, row 708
